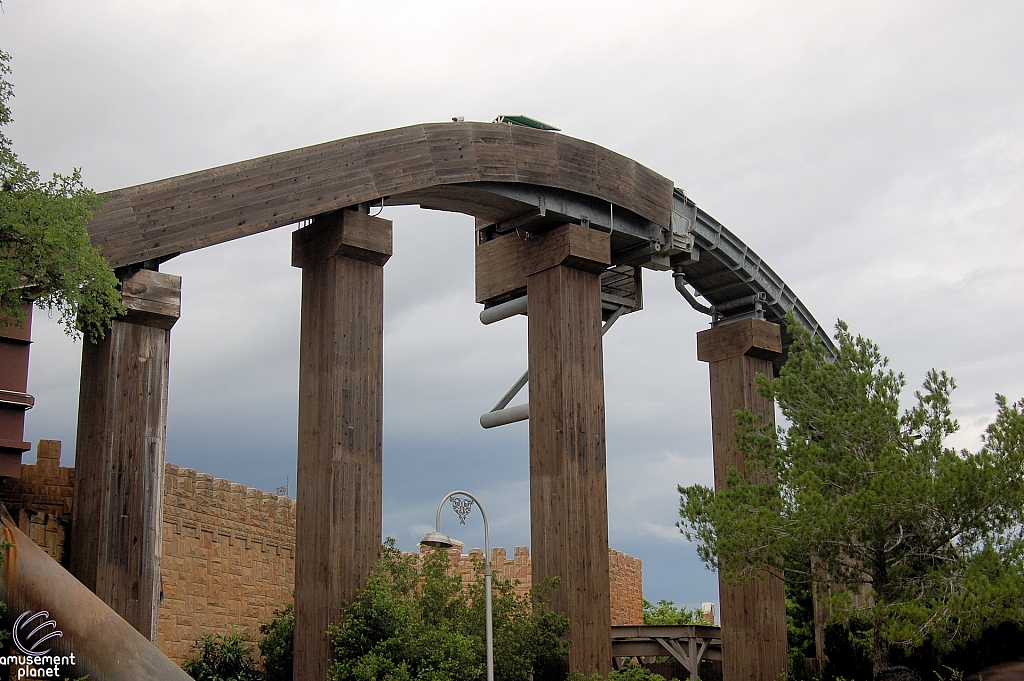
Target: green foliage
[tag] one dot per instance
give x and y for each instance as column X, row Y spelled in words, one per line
column 45, row 253
column 799, row 628
column 849, row 650
column 277, row 644
column 529, row 639
column 419, row 625
column 997, row 645
column 873, row 495
column 631, row 672
column 666, row 613
column 222, row 657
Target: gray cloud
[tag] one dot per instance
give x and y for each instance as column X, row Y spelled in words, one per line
column 871, row 152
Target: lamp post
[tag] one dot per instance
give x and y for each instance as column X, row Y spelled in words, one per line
column 442, row 541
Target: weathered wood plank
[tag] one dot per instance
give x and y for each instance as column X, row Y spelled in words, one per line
column 399, row 159
column 536, row 154
column 453, row 154
column 117, row 208
column 227, row 197
column 195, row 184
column 218, row 200
column 467, row 200
column 578, row 162
column 494, row 152
column 345, row 233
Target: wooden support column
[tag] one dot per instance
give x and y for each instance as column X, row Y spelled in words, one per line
column 753, row 615
column 117, row 526
column 338, row 490
column 561, row 270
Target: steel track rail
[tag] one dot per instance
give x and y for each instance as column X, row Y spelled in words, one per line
column 749, row 271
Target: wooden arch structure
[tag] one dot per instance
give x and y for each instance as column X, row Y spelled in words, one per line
column 561, row 222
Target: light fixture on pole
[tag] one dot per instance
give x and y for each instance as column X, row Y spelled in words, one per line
column 438, row 539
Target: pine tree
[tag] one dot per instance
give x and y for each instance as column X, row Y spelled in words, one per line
column 871, row 494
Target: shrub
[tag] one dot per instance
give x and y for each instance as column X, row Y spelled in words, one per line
column 222, row 657
column 409, row 624
column 276, row 644
column 666, row 613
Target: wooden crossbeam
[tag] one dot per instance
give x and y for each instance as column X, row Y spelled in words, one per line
column 208, row 207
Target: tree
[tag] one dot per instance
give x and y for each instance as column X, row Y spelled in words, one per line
column 410, row 624
column 922, row 540
column 45, row 253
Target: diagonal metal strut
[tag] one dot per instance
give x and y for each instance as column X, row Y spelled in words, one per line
column 502, row 414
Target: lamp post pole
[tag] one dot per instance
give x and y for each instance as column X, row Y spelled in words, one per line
column 439, row 540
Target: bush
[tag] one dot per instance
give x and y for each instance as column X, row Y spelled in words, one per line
column 666, row 613
column 222, row 657
column 409, row 624
column 277, row 644
column 631, row 672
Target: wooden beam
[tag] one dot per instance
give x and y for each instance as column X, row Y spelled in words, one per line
column 212, row 206
column 338, row 490
column 343, row 233
column 152, row 298
column 117, row 526
column 752, row 337
column 504, row 263
column 753, row 615
column 568, row 479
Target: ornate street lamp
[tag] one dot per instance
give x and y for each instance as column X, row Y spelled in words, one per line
column 440, row 540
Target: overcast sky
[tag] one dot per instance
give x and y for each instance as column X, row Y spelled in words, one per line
column 871, row 152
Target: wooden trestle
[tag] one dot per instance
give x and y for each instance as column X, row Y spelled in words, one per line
column 688, row 644
column 523, row 186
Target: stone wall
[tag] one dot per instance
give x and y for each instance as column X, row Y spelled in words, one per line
column 45, row 486
column 229, row 558
column 627, row 581
column 625, row 574
column 40, row 501
column 515, row 570
column 229, row 550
